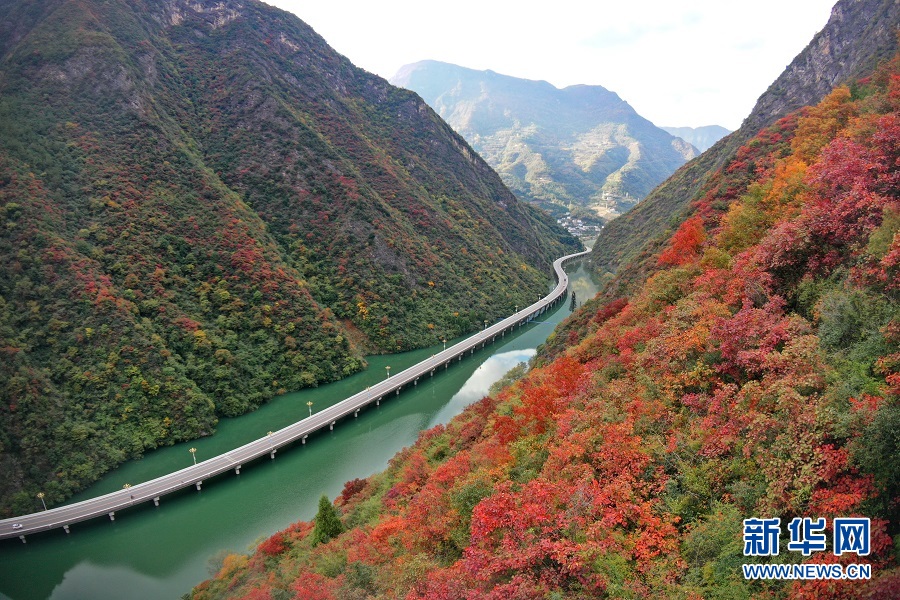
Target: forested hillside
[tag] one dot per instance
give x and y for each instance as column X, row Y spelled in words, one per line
column 202, row 206
column 859, row 34
column 755, row 374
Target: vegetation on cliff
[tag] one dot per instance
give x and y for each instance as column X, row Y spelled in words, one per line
column 202, row 205
column 756, row 373
column 859, row 35
column 580, row 146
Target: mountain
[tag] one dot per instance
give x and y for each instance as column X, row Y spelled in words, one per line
column 204, row 205
column 755, row 375
column 579, row 146
column 701, row 138
column 858, row 34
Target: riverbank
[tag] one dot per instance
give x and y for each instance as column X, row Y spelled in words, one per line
column 162, row 552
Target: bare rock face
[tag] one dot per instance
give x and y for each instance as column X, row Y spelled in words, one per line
column 858, row 35
column 215, row 14
column 558, row 148
column 203, row 205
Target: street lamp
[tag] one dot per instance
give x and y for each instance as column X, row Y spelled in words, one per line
column 445, row 343
column 41, row 496
column 485, row 323
column 193, row 452
column 388, row 369
column 309, row 404
column 517, row 308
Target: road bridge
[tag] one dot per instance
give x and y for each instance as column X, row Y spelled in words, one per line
column 109, row 504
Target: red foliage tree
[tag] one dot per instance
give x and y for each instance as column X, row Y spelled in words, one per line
column 274, row 545
column 684, row 246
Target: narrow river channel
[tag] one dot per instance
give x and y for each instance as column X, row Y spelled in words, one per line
column 161, row 552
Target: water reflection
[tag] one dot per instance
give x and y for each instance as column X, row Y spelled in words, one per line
column 151, row 552
column 92, row 581
column 476, row 387
column 87, row 579
column 584, row 282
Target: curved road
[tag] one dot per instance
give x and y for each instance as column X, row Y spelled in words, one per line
column 194, row 475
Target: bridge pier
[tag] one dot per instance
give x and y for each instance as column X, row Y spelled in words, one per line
column 303, row 441
column 416, row 382
column 331, row 427
column 356, row 414
column 523, row 317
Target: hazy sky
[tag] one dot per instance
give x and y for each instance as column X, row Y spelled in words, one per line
column 677, row 62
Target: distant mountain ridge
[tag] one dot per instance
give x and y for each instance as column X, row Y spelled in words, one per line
column 203, row 206
column 578, row 146
column 702, row 138
column 756, row 372
column 859, row 34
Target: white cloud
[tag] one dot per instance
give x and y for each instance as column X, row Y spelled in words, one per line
column 693, row 63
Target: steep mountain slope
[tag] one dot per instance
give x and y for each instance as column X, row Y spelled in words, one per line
column 579, row 146
column 701, row 138
column 204, row 205
column 858, row 35
column 755, row 375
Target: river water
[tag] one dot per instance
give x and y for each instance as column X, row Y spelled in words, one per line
column 161, row 552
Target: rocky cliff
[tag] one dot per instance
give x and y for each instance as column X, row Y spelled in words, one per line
column 858, row 35
column 204, row 205
column 581, row 146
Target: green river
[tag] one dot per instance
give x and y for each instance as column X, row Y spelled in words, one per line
column 162, row 552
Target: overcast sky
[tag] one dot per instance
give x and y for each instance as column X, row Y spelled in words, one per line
column 677, row 62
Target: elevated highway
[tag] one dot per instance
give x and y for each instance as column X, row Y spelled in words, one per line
column 195, row 475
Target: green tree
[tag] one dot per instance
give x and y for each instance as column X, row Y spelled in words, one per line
column 328, row 524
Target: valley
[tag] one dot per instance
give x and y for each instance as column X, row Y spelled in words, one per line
column 146, row 550
column 184, row 240
column 561, row 149
column 273, row 327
